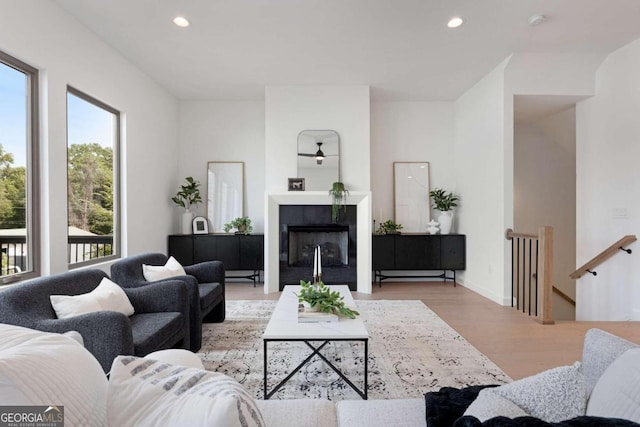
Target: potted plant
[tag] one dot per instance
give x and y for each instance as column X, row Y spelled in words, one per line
column 241, row 224
column 444, row 202
column 319, row 296
column 189, row 194
column 389, row 227
column 338, row 198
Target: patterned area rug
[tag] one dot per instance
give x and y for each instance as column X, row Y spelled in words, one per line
column 411, row 351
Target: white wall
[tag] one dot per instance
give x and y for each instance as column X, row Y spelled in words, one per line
column 225, row 131
column 481, row 183
column 46, row 37
column 608, row 178
column 291, row 109
column 545, row 192
column 409, row 132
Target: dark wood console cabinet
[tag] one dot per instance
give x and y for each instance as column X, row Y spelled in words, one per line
column 236, row 251
column 446, row 252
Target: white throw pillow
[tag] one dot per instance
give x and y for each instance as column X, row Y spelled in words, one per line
column 172, row 268
column 40, row 368
column 145, row 392
column 617, row 392
column 553, row 396
column 489, row 405
column 106, row 297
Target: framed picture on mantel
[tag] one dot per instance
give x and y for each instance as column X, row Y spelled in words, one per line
column 296, row 184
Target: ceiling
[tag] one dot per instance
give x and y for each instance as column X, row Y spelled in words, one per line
column 529, row 109
column 401, row 48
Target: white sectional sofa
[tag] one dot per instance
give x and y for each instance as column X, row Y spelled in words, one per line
column 610, row 372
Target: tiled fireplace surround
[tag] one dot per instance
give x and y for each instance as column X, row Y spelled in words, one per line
column 362, row 202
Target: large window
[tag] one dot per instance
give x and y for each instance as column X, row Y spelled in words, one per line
column 19, row 231
column 92, row 179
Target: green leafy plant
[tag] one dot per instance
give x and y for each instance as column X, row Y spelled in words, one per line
column 389, row 227
column 189, row 194
column 442, row 200
column 327, row 301
column 242, row 224
column 338, row 197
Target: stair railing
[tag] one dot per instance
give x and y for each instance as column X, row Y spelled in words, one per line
column 532, row 273
column 617, row 247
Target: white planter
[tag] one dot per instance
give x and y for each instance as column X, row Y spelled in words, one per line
column 445, row 219
column 187, row 222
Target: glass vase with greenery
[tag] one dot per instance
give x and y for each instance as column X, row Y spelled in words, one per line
column 320, row 296
column 338, row 195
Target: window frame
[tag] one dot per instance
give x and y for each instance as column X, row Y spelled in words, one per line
column 33, row 213
column 116, row 247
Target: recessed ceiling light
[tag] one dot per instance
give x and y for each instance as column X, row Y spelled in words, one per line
column 455, row 22
column 181, row 21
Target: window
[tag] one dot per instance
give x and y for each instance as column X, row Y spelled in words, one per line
column 93, row 130
column 19, row 222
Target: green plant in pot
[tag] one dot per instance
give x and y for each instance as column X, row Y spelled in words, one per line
column 188, row 195
column 320, row 296
column 444, row 202
column 389, row 227
column 242, row 224
column 338, row 200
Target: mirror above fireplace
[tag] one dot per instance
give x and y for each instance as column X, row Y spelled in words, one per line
column 319, row 158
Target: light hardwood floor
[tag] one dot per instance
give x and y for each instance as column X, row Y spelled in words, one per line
column 512, row 340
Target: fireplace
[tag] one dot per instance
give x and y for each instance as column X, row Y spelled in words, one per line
column 302, row 228
column 332, row 239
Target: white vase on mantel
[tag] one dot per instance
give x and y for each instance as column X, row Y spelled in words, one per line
column 445, row 219
column 187, row 222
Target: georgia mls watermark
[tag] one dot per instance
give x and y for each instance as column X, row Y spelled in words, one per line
column 31, row 416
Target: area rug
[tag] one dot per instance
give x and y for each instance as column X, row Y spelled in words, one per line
column 411, row 351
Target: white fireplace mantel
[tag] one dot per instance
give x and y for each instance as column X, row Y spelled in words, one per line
column 362, row 200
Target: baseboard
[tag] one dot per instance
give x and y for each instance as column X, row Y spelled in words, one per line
column 498, row 299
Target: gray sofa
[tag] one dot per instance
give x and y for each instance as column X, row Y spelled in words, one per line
column 160, row 320
column 204, row 282
column 600, row 350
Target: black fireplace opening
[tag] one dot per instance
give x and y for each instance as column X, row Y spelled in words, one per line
column 332, row 239
column 302, row 229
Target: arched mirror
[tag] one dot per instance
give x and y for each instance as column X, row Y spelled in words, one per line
column 319, row 158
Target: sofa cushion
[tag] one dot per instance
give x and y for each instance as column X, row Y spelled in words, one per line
column 40, row 368
column 153, row 273
column 600, row 350
column 298, row 412
column 107, row 296
column 554, row 395
column 617, row 392
column 210, row 293
column 145, row 392
column 489, row 404
column 393, row 412
column 153, row 331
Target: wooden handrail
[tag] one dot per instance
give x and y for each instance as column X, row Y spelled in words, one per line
column 510, row 234
column 564, row 296
column 603, row 256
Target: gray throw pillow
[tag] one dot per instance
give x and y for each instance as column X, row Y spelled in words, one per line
column 489, row 404
column 553, row 396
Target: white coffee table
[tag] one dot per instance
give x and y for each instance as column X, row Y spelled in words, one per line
column 284, row 326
